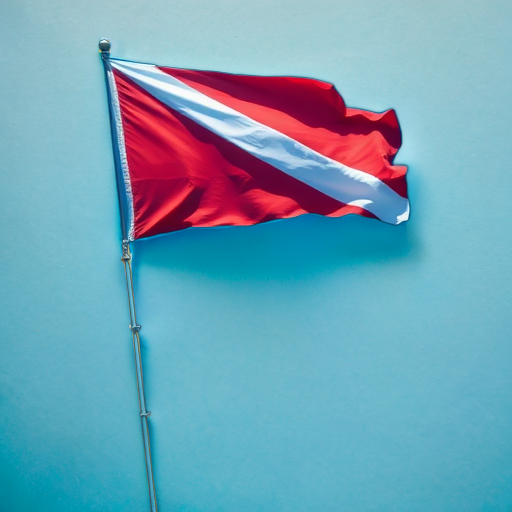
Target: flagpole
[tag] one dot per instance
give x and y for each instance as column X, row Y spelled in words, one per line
column 144, row 413
column 104, row 46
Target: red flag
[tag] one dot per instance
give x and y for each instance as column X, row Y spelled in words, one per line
column 204, row 149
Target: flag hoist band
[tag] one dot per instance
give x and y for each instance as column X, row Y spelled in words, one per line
column 204, row 149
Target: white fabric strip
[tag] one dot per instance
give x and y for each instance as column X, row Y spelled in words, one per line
column 334, row 179
column 116, row 109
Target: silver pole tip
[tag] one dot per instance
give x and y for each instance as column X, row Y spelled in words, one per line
column 104, row 45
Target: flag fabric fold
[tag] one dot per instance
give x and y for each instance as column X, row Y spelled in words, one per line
column 205, row 149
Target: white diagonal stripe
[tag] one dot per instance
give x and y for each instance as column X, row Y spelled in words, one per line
column 350, row 186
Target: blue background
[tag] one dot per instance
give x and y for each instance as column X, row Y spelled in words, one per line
column 329, row 365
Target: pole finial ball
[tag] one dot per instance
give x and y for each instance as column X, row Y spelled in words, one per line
column 104, row 45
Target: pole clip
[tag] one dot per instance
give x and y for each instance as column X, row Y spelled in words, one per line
column 146, row 414
column 134, row 328
column 126, row 251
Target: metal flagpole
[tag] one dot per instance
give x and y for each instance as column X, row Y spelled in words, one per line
column 144, row 413
column 104, row 46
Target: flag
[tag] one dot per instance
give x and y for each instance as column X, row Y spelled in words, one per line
column 204, row 149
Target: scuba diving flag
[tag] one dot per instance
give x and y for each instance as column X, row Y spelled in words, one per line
column 203, row 149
